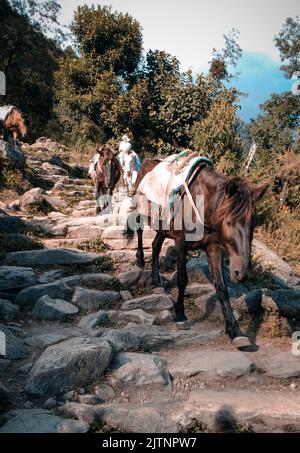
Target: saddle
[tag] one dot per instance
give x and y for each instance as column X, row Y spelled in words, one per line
column 170, row 178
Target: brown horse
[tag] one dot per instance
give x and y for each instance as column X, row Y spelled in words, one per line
column 229, row 207
column 106, row 174
column 14, row 124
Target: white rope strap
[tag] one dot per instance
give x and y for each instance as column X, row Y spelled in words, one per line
column 198, row 217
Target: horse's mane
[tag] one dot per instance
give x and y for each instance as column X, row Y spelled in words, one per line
column 234, row 200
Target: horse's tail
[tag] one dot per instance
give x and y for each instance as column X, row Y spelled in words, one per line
column 128, row 232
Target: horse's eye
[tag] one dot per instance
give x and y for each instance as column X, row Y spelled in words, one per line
column 229, row 223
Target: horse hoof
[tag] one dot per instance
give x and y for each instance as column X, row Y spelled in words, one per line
column 183, row 325
column 241, row 342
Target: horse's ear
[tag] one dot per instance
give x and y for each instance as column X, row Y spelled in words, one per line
column 260, row 191
column 231, row 188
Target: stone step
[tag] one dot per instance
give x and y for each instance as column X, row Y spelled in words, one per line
column 252, row 410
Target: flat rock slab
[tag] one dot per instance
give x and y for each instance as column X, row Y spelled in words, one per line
column 92, row 300
column 13, row 277
column 140, row 369
column 132, row 418
column 53, row 309
column 225, row 364
column 238, row 410
column 49, row 257
column 154, row 302
column 56, row 290
column 68, row 366
column 283, row 365
column 135, row 278
column 151, row 337
column 41, row 421
column 93, row 320
column 138, row 315
column 44, row 340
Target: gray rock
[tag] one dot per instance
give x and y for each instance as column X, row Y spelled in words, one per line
column 69, row 395
column 12, row 277
column 284, row 301
column 136, row 278
column 139, row 316
column 283, row 365
column 120, row 340
column 198, row 272
column 270, row 259
column 35, row 197
column 4, row 364
column 5, row 396
column 51, row 276
column 53, row 309
column 15, row 348
column 73, row 426
column 91, row 300
column 24, row 370
column 104, row 392
column 140, row 369
column 154, row 302
column 99, row 318
column 8, row 311
column 50, row 257
column 214, row 363
column 126, row 295
column 13, row 154
column 50, row 403
column 68, row 366
column 39, row 421
column 56, row 290
column 99, row 281
column 151, row 337
column 44, row 340
column 198, row 289
column 11, row 223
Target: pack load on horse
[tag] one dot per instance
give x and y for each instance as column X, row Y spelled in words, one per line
column 130, row 163
column 13, row 123
column 105, row 170
column 226, row 219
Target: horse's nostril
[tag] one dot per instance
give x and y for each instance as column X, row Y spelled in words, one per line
column 237, row 274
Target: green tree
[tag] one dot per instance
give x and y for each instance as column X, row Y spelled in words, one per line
column 288, row 43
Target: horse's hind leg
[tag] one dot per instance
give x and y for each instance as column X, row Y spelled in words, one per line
column 156, row 248
column 182, row 278
column 140, row 259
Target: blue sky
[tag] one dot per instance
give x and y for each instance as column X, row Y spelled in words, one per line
column 190, row 29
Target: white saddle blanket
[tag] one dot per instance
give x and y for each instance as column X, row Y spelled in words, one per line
column 4, row 111
column 168, row 177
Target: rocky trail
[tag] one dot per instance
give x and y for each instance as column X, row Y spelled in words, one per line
column 92, row 346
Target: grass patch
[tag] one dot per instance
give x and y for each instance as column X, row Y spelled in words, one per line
column 94, row 245
column 17, row 243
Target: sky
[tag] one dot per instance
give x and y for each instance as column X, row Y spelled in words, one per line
column 190, row 29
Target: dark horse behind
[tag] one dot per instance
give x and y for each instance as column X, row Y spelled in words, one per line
column 106, row 174
column 229, row 208
column 13, row 122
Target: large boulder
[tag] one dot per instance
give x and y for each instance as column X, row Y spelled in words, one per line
column 56, row 290
column 53, row 309
column 284, row 301
column 68, row 366
column 13, row 277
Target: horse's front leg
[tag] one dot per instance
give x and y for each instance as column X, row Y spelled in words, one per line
column 156, row 248
column 182, row 278
column 215, row 258
column 97, row 196
column 140, row 259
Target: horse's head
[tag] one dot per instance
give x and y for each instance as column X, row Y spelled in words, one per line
column 108, row 166
column 235, row 224
column 21, row 122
